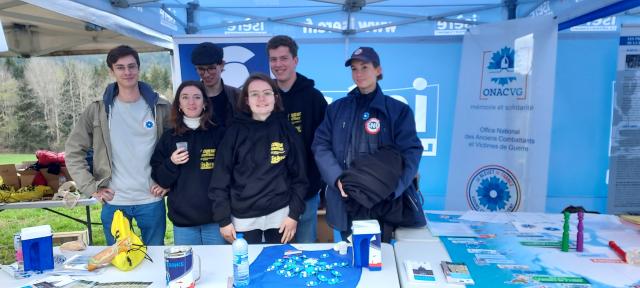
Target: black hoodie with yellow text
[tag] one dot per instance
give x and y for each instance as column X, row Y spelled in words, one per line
column 259, row 169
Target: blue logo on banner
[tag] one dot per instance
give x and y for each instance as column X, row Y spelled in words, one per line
column 499, row 78
column 493, row 188
column 502, row 60
column 241, row 59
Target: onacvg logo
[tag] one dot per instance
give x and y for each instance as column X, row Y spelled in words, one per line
column 499, row 78
column 502, row 61
column 493, row 188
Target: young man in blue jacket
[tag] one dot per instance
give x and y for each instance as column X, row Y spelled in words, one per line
column 358, row 125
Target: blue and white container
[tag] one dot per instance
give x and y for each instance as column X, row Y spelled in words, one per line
column 178, row 262
column 37, row 248
column 367, row 250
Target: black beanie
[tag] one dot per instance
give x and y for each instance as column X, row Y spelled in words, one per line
column 207, row 53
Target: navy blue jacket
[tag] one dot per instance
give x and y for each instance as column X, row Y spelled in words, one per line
column 333, row 141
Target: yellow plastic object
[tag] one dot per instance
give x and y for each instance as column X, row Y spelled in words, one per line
column 136, row 252
column 28, row 193
column 5, row 193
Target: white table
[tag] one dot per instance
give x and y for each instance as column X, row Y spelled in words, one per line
column 217, row 267
column 421, row 234
column 432, row 252
column 48, row 204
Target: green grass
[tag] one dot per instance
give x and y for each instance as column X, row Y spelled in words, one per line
column 16, row 158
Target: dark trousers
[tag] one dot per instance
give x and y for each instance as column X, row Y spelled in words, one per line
column 271, row 236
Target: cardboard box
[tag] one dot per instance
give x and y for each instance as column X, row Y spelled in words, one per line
column 62, row 237
column 26, row 177
column 9, row 175
column 325, row 233
column 53, row 180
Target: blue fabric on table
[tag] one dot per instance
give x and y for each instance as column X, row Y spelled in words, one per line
column 261, row 278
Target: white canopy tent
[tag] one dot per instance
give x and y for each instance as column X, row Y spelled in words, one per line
column 420, row 40
column 69, row 27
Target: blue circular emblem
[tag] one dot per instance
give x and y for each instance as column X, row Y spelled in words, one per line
column 365, row 115
column 149, row 124
column 493, row 188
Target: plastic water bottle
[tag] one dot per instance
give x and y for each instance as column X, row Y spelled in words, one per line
column 240, row 261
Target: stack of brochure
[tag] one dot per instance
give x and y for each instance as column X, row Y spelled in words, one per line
column 420, row 274
column 457, row 273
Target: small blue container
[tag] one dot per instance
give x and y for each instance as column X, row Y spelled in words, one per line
column 367, row 250
column 37, row 248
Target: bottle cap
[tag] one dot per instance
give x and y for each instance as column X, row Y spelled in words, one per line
column 239, row 235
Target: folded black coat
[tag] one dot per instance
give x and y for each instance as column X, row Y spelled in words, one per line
column 374, row 177
column 370, row 182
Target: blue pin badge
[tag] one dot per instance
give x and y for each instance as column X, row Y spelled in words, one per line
column 149, row 124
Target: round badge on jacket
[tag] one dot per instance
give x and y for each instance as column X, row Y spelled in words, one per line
column 372, row 126
column 149, row 124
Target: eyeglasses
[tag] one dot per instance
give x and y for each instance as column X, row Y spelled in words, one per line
column 256, row 94
column 122, row 68
column 203, row 69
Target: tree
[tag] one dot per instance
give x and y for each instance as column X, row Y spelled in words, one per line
column 45, row 77
column 80, row 86
column 159, row 78
column 8, row 101
column 31, row 131
column 15, row 66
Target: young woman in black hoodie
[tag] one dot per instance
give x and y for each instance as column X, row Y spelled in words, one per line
column 183, row 162
column 259, row 181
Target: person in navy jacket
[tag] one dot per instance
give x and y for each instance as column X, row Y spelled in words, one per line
column 358, row 125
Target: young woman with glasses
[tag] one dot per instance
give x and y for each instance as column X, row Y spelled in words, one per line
column 259, row 180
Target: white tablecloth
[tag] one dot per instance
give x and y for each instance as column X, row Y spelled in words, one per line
column 217, row 267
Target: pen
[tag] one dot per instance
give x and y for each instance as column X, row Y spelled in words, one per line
column 618, row 250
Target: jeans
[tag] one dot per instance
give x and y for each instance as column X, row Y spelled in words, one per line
column 207, row 234
column 150, row 218
column 306, row 231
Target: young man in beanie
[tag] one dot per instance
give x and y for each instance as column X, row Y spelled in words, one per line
column 208, row 60
column 122, row 129
column 305, row 107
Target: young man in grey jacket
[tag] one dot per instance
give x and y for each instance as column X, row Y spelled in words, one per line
column 122, row 130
